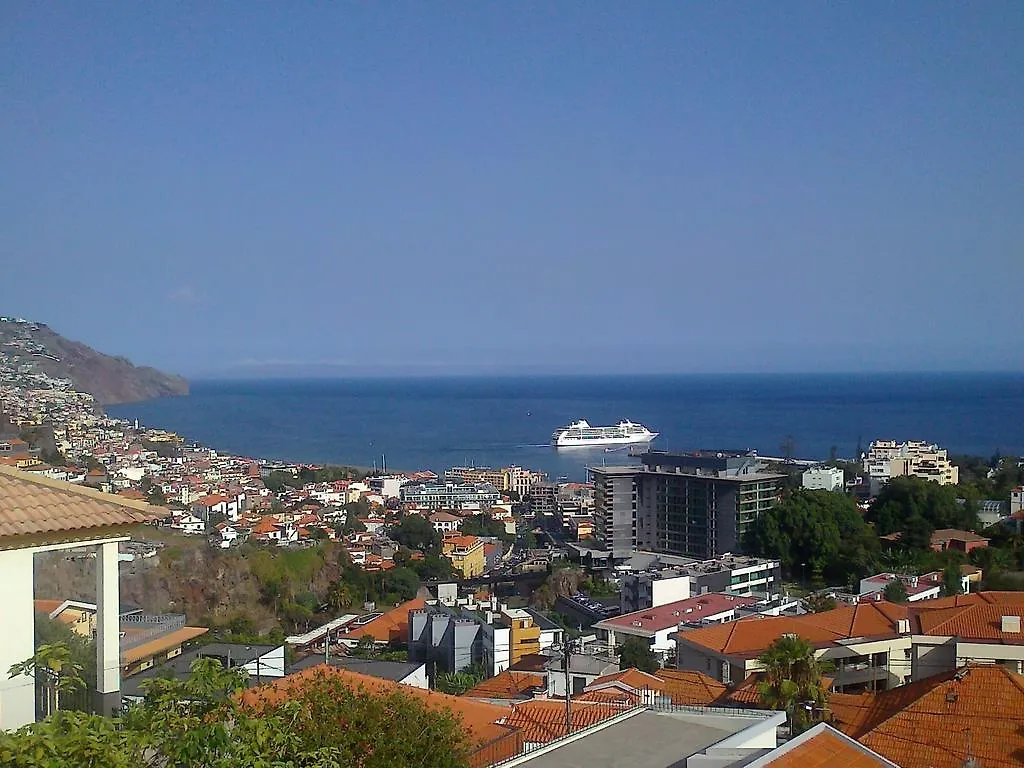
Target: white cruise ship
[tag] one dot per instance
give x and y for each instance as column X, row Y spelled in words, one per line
column 580, row 433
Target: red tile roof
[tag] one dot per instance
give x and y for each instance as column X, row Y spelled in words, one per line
column 689, row 687
column 652, row 620
column 982, row 623
column 543, row 720
column 30, row 504
column 510, row 684
column 926, row 724
column 748, row 638
column 392, row 625
column 823, row 747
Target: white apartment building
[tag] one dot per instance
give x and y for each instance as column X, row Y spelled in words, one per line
column 1017, row 500
column 887, row 459
column 824, row 479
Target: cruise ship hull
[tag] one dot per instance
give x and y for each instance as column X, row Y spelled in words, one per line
column 568, row 442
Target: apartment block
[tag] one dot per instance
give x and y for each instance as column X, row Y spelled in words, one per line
column 512, row 479
column 543, row 499
column 466, row 554
column 451, row 637
column 450, row 495
column 694, row 504
column 887, row 459
column 656, row 580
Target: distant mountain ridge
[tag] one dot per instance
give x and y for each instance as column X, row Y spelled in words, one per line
column 31, row 353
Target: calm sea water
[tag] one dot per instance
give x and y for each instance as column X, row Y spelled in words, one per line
column 440, row 422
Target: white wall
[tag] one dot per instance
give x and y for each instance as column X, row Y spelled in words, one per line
column 270, row 664
column 823, row 479
column 418, row 679
column 664, row 591
column 17, row 696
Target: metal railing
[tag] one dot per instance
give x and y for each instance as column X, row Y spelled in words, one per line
column 512, row 746
column 151, row 626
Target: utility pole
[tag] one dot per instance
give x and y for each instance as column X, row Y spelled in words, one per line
column 568, row 691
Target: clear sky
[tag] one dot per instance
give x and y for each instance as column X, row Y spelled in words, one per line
column 291, row 188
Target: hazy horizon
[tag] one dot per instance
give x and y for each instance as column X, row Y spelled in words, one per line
column 225, row 190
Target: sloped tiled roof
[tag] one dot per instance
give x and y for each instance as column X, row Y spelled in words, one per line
column 393, row 625
column 822, row 747
column 927, row 724
column 974, row 598
column 510, row 684
column 683, row 687
column 750, row 637
column 38, row 505
column 981, row 622
column 689, row 687
column 543, row 720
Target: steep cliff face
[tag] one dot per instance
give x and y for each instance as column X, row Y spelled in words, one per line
column 31, row 349
column 208, row 587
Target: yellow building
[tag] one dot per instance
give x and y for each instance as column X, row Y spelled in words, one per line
column 524, row 637
column 466, row 554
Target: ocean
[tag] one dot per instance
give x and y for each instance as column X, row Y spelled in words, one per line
column 419, row 423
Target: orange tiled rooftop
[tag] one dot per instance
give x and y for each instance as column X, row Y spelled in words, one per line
column 926, row 724
column 31, row 505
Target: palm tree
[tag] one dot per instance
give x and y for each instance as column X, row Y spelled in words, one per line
column 792, row 678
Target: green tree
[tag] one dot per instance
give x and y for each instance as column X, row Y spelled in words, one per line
column 201, row 721
column 915, row 507
column 457, row 683
column 951, row 584
column 416, row 532
column 528, row 540
column 58, row 671
column 821, row 529
column 403, row 582
column 340, row 596
column 895, row 592
column 635, row 652
column 820, row 602
column 792, row 680
column 366, row 648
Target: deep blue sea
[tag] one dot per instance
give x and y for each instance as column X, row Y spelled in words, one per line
column 493, row 421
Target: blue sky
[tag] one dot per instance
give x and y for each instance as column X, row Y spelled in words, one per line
column 255, row 189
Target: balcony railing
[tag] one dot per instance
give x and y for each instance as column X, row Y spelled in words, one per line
column 145, row 627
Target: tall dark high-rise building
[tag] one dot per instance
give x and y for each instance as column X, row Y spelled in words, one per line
column 697, row 504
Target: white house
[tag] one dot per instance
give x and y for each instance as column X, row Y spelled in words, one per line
column 924, row 587
column 188, row 523
column 39, row 515
column 823, row 479
column 228, row 534
column 445, row 522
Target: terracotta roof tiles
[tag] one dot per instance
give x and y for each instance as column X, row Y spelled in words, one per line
column 510, row 684
column 393, row 625
column 543, row 720
column 749, row 637
column 37, row 505
column 823, row 747
column 926, row 724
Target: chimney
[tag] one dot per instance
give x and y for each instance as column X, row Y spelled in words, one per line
column 1010, row 624
column 903, row 626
